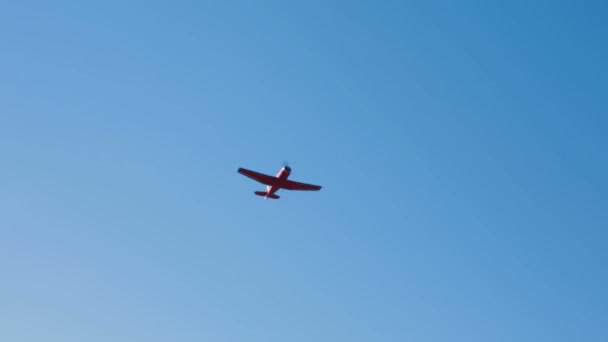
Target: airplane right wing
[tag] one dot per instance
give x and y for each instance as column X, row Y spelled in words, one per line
column 260, row 177
column 291, row 185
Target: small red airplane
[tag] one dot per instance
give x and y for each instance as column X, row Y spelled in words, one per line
column 274, row 183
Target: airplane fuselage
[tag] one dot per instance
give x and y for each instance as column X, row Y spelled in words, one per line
column 282, row 176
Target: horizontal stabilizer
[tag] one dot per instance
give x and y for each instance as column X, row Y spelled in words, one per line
column 265, row 194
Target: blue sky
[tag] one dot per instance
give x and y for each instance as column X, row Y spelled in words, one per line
column 461, row 149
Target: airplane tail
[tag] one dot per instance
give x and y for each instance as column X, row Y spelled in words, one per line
column 265, row 194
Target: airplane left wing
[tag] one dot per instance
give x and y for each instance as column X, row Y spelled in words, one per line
column 260, row 177
column 291, row 185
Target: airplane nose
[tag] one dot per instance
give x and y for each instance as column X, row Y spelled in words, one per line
column 287, row 168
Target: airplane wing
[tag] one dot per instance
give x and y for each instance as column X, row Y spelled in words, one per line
column 291, row 185
column 260, row 177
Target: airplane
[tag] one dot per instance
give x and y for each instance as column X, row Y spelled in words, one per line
column 274, row 183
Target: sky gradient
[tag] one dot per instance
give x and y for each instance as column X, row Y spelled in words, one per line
column 462, row 150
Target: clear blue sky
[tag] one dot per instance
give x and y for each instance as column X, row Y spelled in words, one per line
column 462, row 149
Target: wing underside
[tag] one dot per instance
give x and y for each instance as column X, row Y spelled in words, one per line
column 260, row 177
column 291, row 185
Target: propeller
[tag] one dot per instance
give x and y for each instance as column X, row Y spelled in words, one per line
column 285, row 163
